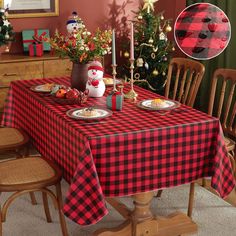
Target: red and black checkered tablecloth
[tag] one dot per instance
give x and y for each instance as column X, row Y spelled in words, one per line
column 132, row 151
column 202, row 31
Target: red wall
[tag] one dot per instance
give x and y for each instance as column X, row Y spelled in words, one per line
column 93, row 13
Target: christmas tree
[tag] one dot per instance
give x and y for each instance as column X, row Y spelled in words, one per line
column 152, row 48
column 6, row 30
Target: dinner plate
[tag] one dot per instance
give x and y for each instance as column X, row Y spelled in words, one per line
column 168, row 105
column 41, row 88
column 78, row 113
column 109, row 81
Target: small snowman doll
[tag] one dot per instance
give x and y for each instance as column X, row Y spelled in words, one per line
column 74, row 23
column 95, row 84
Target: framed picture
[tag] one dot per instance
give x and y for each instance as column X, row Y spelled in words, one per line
column 31, row 8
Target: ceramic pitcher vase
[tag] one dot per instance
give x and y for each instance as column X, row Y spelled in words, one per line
column 79, row 76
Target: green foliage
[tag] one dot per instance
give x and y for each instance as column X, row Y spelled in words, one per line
column 6, row 30
column 152, row 50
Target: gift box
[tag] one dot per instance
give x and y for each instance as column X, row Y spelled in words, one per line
column 36, row 49
column 115, row 101
column 35, row 36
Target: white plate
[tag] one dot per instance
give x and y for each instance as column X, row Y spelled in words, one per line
column 167, row 105
column 109, row 81
column 77, row 113
column 41, row 88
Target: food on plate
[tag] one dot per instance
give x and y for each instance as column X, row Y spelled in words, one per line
column 72, row 93
column 89, row 111
column 47, row 86
column 61, row 93
column 108, row 81
column 158, row 103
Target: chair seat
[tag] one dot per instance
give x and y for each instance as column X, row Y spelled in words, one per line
column 10, row 137
column 26, row 171
column 27, row 175
column 229, row 143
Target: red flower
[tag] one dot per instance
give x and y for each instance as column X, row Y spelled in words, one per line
column 91, row 46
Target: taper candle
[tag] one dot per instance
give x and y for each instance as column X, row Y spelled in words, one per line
column 132, row 42
column 113, row 48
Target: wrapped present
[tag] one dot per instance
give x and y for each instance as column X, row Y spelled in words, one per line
column 115, row 101
column 35, row 36
column 36, row 49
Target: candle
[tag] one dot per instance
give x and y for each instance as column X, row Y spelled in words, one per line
column 132, row 42
column 113, row 48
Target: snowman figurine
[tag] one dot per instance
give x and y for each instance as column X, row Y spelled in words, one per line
column 95, row 83
column 74, row 23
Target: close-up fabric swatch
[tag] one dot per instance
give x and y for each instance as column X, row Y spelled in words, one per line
column 202, row 31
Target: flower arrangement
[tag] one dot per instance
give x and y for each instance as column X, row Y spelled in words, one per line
column 82, row 46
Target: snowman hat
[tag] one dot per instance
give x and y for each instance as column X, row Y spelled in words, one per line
column 74, row 18
column 95, row 65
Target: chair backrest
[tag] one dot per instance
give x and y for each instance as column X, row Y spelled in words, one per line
column 222, row 99
column 183, row 80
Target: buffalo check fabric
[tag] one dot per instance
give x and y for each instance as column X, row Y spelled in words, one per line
column 132, row 151
column 202, row 31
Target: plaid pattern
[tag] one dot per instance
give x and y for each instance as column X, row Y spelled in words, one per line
column 202, row 31
column 132, row 151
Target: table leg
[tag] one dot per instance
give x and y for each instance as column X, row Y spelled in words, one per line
column 142, row 222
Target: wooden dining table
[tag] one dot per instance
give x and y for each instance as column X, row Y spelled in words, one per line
column 132, row 152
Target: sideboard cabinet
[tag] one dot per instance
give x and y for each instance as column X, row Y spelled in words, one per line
column 22, row 67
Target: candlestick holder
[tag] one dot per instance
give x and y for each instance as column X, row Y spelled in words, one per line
column 114, row 76
column 131, row 94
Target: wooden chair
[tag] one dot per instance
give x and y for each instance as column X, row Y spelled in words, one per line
column 183, row 80
column 31, row 174
column 15, row 141
column 222, row 104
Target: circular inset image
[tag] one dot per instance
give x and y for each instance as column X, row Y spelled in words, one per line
column 202, row 31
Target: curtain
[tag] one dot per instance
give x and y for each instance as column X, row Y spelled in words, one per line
column 227, row 59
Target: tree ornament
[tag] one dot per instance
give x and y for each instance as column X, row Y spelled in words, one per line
column 162, row 36
column 173, row 49
column 6, row 23
column 126, row 54
column 162, row 17
column 7, row 36
column 165, row 59
column 168, row 28
column 150, row 41
column 163, row 73
column 140, row 17
column 136, row 75
column 153, row 55
column 155, row 49
column 148, row 4
column 139, row 62
column 155, row 72
column 146, row 65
